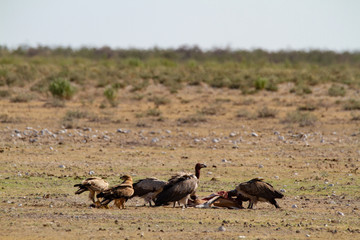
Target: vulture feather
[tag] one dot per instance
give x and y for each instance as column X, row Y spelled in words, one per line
column 94, row 185
column 148, row 188
column 120, row 193
column 177, row 189
column 258, row 190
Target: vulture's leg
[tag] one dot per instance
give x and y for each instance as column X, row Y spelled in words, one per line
column 174, row 204
column 251, row 203
column 92, row 196
column 273, row 202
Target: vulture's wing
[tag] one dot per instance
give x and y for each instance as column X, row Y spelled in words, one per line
column 147, row 185
column 175, row 191
column 260, row 189
column 97, row 184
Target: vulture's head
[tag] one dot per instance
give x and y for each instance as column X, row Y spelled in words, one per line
column 199, row 166
column 125, row 177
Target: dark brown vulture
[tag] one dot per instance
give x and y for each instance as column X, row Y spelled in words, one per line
column 178, row 189
column 258, row 190
column 94, row 185
column 148, row 189
column 178, row 185
column 120, row 193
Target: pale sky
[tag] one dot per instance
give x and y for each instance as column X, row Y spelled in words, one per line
column 238, row 24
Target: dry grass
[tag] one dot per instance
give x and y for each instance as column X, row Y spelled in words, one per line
column 317, row 165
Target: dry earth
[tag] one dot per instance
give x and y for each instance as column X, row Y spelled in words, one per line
column 316, row 165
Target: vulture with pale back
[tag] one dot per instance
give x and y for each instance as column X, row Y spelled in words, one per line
column 178, row 189
column 94, row 185
column 148, row 189
column 120, row 193
column 258, row 190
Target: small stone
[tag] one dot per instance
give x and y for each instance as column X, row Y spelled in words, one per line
column 242, row 237
column 307, row 235
column 209, row 173
column 216, row 140
column 197, row 140
column 341, row 214
column 154, row 140
column 222, row 229
column 261, row 166
column 51, row 148
column 19, row 205
column 224, row 160
column 281, row 138
column 276, row 133
column 62, row 166
column 254, row 134
column 331, row 185
column 91, row 172
column 168, row 131
column 232, row 134
column 294, row 206
column 282, row 190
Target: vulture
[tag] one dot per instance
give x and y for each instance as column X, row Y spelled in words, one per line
column 179, row 188
column 258, row 190
column 94, row 185
column 120, row 193
column 148, row 188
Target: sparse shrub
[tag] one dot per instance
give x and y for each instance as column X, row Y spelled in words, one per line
column 41, row 86
column 110, row 94
column 301, row 89
column 271, row 86
column 337, row 91
column 133, row 62
column 214, row 110
column 61, row 88
column 153, row 112
column 4, row 93
column 55, row 102
column 4, row 118
column 266, row 112
column 192, row 119
column 70, row 119
column 355, row 116
column 352, row 104
column 243, row 113
column 303, row 119
column 141, row 85
column 309, row 106
column 261, row 83
column 21, row 98
column 159, row 100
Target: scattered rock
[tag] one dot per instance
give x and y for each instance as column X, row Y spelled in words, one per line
column 340, row 213
column 261, row 166
column 62, row 166
column 224, row 160
column 91, row 172
column 294, row 206
column 282, row 190
column 222, row 229
column 254, row 134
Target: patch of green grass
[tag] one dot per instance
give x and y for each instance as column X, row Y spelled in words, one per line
column 110, row 94
column 261, row 83
column 159, row 100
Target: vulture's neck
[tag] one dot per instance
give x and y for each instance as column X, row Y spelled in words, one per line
column 197, row 172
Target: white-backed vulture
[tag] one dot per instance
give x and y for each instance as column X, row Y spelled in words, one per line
column 148, row 188
column 258, row 190
column 177, row 189
column 94, row 185
column 120, row 193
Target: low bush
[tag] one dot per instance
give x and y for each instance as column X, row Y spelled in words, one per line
column 61, row 88
column 337, row 91
column 303, row 119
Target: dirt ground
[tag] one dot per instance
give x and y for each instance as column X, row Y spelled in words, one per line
column 316, row 165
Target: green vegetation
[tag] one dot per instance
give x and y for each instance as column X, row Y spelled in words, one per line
column 60, row 69
column 61, row 88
